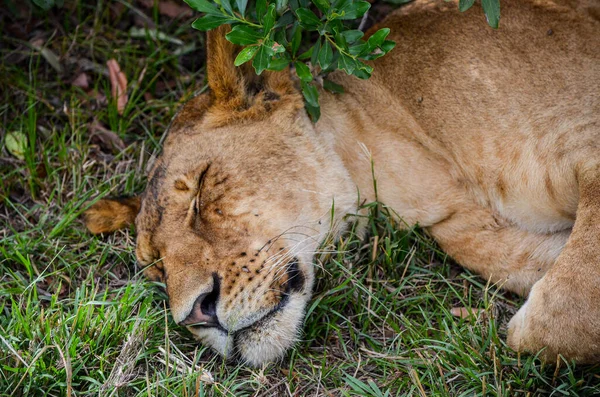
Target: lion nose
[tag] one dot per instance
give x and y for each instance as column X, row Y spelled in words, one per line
column 204, row 311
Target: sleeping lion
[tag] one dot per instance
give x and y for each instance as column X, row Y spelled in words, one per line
column 487, row 139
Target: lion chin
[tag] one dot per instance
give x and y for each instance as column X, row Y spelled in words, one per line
column 266, row 340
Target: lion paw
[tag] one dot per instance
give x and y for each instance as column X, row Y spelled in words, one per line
column 556, row 321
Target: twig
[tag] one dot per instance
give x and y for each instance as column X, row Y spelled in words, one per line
column 363, row 21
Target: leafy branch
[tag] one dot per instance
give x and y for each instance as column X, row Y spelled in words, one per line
column 275, row 34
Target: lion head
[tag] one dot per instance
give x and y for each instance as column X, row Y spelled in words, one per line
column 236, row 206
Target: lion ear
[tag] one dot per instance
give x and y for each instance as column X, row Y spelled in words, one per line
column 240, row 84
column 224, row 78
column 109, row 215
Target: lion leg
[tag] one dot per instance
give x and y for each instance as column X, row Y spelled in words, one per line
column 562, row 314
column 499, row 251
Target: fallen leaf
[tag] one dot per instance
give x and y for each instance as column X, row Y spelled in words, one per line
column 465, row 312
column 207, row 377
column 16, row 144
column 82, row 81
column 47, row 54
column 86, row 65
column 154, row 34
column 98, row 96
column 169, row 8
column 41, row 171
column 118, row 83
column 105, row 138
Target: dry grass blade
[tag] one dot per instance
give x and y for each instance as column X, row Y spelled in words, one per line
column 465, row 312
column 124, row 370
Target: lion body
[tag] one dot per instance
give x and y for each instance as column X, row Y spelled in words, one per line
column 489, row 139
column 485, row 120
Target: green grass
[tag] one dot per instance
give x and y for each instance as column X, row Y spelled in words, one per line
column 77, row 318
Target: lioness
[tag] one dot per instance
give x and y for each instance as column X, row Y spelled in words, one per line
column 489, row 140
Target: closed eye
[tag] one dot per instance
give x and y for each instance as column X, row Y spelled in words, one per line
column 196, row 205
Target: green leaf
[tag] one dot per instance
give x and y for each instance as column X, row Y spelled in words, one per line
column 269, row 20
column 325, row 55
column 387, row 46
column 209, row 22
column 322, row 5
column 314, row 56
column 354, row 10
column 306, row 54
column 347, row 63
column 286, row 19
column 308, row 18
column 278, row 63
column 270, row 47
column 375, row 41
column 296, row 40
column 340, row 4
column 44, row 4
column 340, row 40
column 491, row 8
column 311, row 95
column 303, row 72
column 362, row 71
column 374, row 55
column 464, row 5
column 16, row 144
column 227, row 6
column 281, row 38
column 245, row 55
column 203, row 6
column 244, row 35
column 313, row 111
column 333, row 87
column 261, row 59
column 352, row 36
column 241, row 5
column 277, row 48
column 378, row 37
column 332, row 27
column 357, row 49
column 281, row 5
column 261, row 9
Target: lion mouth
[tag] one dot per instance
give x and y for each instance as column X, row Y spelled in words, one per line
column 261, row 321
column 295, row 284
column 268, row 337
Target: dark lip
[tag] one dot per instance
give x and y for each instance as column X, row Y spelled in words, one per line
column 218, row 327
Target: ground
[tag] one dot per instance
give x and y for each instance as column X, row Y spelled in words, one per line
column 391, row 316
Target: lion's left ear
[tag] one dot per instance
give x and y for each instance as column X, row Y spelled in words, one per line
column 109, row 215
column 230, row 83
column 224, row 78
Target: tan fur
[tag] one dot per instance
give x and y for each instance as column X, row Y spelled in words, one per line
column 489, row 139
column 106, row 216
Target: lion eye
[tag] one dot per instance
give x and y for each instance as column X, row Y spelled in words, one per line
column 193, row 212
column 196, row 206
